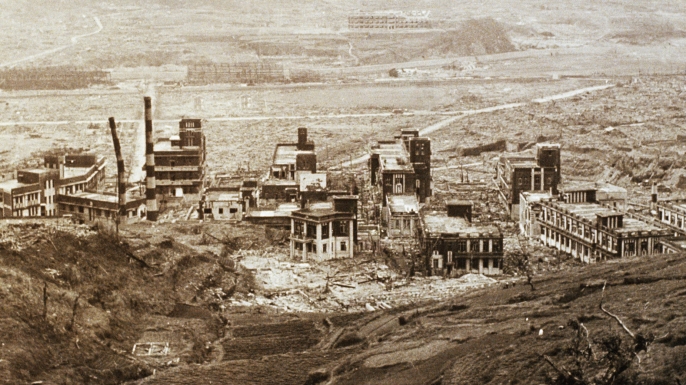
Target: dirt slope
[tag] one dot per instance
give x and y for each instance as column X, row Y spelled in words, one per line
column 490, row 336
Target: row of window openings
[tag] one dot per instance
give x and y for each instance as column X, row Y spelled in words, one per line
column 310, row 247
column 537, row 181
column 462, row 263
column 629, row 245
column 672, row 219
column 461, row 247
column 220, row 210
column 312, row 229
column 30, row 197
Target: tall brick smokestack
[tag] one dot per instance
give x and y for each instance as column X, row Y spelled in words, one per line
column 150, row 185
column 121, row 174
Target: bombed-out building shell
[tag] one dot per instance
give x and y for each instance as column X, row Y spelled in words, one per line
column 453, row 245
column 180, row 160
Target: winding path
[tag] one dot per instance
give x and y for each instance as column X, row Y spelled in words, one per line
column 74, row 40
column 446, row 122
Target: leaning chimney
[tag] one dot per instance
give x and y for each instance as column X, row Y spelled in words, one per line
column 150, row 185
column 121, row 173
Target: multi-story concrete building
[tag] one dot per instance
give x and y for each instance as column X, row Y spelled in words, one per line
column 30, row 194
column 401, row 216
column 592, row 231
column 325, row 230
column 389, row 20
column 77, row 172
column 453, row 245
column 34, row 191
column 89, row 206
column 671, row 215
column 530, row 212
column 576, row 192
column 402, row 166
column 516, row 173
column 180, row 160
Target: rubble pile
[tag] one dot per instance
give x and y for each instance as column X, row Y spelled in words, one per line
column 19, row 234
column 342, row 285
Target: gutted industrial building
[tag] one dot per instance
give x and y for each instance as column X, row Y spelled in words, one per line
column 402, row 166
column 179, row 164
column 537, row 171
column 454, row 245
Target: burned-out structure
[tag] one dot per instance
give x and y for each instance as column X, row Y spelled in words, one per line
column 34, row 192
column 402, row 166
column 671, row 215
column 591, row 231
column 453, row 245
column 30, row 194
column 290, row 162
column 292, row 158
column 179, row 161
column 77, row 172
column 401, row 216
column 530, row 208
column 389, row 20
column 325, row 230
column 91, row 206
column 537, row 171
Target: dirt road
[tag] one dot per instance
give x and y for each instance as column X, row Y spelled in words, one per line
column 446, row 122
column 74, row 40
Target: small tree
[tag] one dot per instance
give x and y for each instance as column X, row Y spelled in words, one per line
column 598, row 361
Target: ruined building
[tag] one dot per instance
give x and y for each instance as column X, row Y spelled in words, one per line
column 179, row 164
column 389, row 20
column 325, row 230
column 401, row 216
column 34, row 192
column 593, row 231
column 453, row 245
column 402, row 166
column 91, row 206
column 671, row 215
column 516, row 173
column 575, row 192
column 291, row 158
column 290, row 163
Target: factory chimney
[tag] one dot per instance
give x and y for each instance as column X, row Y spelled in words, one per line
column 121, row 174
column 150, row 185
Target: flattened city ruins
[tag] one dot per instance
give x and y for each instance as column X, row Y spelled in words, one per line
column 342, row 193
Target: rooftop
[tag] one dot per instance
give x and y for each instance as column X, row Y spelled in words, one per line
column 441, row 223
column 165, row 145
column 587, row 186
column 590, row 212
column 536, row 196
column 403, row 203
column 393, row 156
column 12, row 184
column 97, row 197
column 283, row 210
column 286, row 153
column 37, row 170
column 223, row 196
